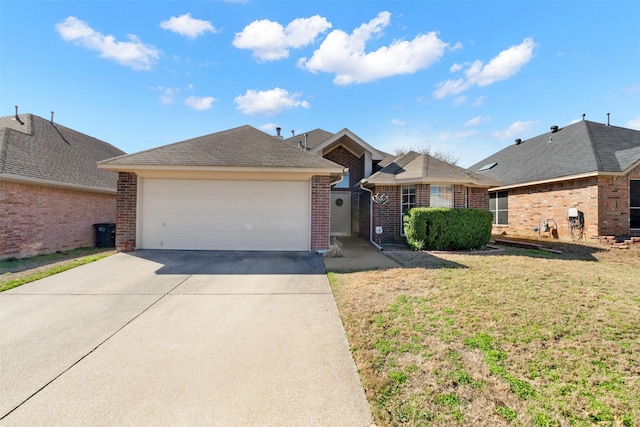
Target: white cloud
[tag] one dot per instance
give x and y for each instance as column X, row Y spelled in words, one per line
column 398, row 122
column 476, row 120
column 633, row 124
column 199, row 103
column 505, row 65
column 344, row 54
column 268, row 102
column 517, row 129
column 270, row 41
column 187, row 26
column 133, row 54
column 168, row 94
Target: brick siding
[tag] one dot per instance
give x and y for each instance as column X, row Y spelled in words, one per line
column 604, row 201
column 127, row 211
column 320, row 212
column 344, row 157
column 38, row 219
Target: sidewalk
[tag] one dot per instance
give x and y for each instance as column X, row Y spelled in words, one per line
column 359, row 255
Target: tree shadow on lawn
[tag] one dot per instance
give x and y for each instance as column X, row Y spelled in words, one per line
column 552, row 249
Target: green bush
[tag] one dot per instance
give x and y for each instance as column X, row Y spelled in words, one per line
column 444, row 229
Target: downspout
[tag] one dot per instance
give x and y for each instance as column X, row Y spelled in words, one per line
column 362, row 182
column 331, row 184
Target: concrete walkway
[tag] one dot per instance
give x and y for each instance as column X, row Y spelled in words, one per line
column 170, row 338
column 359, row 255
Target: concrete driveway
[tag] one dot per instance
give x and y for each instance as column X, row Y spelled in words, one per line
column 179, row 338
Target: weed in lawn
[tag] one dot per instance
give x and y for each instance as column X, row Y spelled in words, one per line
column 520, row 338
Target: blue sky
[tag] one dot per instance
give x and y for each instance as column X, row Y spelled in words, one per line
column 460, row 77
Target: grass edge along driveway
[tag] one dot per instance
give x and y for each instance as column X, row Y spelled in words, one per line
column 525, row 338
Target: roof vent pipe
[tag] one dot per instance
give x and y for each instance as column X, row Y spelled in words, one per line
column 305, row 141
column 52, row 117
column 608, row 119
column 583, row 116
column 17, row 112
column 554, row 129
column 17, row 118
column 293, row 133
column 278, row 131
column 518, row 141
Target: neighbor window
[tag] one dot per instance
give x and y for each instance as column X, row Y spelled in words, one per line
column 634, row 202
column 498, row 204
column 408, row 202
column 441, row 196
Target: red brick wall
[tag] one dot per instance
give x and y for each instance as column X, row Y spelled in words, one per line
column 477, row 198
column 127, row 211
column 320, row 212
column 531, row 205
column 344, row 157
column 604, row 201
column 38, row 219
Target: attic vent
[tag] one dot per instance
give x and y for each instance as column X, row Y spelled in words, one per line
column 487, row 166
column 554, row 129
column 518, row 141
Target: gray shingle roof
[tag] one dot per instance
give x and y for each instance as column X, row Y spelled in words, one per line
column 314, row 137
column 580, row 148
column 35, row 148
column 243, row 146
column 423, row 168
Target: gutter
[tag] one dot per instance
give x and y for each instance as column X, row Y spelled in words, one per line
column 362, row 182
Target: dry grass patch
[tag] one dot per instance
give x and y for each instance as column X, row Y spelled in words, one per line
column 522, row 338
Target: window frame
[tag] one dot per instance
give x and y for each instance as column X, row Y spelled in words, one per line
column 438, row 196
column 496, row 208
column 634, row 199
column 407, row 201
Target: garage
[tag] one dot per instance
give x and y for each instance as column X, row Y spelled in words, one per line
column 224, row 214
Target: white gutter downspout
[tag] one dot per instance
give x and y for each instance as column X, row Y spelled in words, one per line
column 362, row 182
column 331, row 184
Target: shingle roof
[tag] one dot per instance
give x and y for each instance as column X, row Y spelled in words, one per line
column 243, row 146
column 37, row 149
column 414, row 167
column 313, row 138
column 580, row 148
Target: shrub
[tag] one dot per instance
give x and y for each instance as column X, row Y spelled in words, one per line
column 446, row 229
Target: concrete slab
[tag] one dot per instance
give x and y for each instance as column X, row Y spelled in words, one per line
column 359, row 255
column 219, row 348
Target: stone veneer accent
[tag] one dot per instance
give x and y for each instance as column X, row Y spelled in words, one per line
column 320, row 212
column 126, row 219
column 40, row 219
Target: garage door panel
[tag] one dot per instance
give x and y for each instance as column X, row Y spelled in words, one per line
column 237, row 215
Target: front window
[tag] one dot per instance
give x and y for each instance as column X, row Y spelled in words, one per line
column 499, row 206
column 634, row 202
column 408, row 202
column 441, row 196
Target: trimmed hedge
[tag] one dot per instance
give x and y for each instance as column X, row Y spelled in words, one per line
column 445, row 229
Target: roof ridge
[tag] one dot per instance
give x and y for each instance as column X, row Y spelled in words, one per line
column 594, row 147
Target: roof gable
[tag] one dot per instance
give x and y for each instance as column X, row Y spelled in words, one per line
column 36, row 149
column 242, row 147
column 350, row 140
column 416, row 168
column 580, row 148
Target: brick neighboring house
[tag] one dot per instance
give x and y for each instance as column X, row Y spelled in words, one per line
column 51, row 192
column 591, row 168
column 243, row 189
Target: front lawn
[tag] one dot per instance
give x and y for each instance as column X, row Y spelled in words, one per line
column 525, row 337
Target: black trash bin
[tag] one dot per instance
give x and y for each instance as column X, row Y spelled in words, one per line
column 105, row 235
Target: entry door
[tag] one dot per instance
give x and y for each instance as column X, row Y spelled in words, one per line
column 340, row 213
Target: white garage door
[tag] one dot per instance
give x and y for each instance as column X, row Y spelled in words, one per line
column 219, row 215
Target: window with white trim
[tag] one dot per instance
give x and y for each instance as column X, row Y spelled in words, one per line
column 499, row 206
column 441, row 196
column 634, row 203
column 408, row 201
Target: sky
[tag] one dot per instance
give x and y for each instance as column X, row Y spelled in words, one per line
column 462, row 78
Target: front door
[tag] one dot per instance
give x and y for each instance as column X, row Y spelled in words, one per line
column 340, row 213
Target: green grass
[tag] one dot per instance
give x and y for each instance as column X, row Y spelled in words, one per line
column 59, row 262
column 513, row 339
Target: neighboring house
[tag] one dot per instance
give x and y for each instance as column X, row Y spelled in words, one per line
column 575, row 182
column 243, row 189
column 51, row 191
